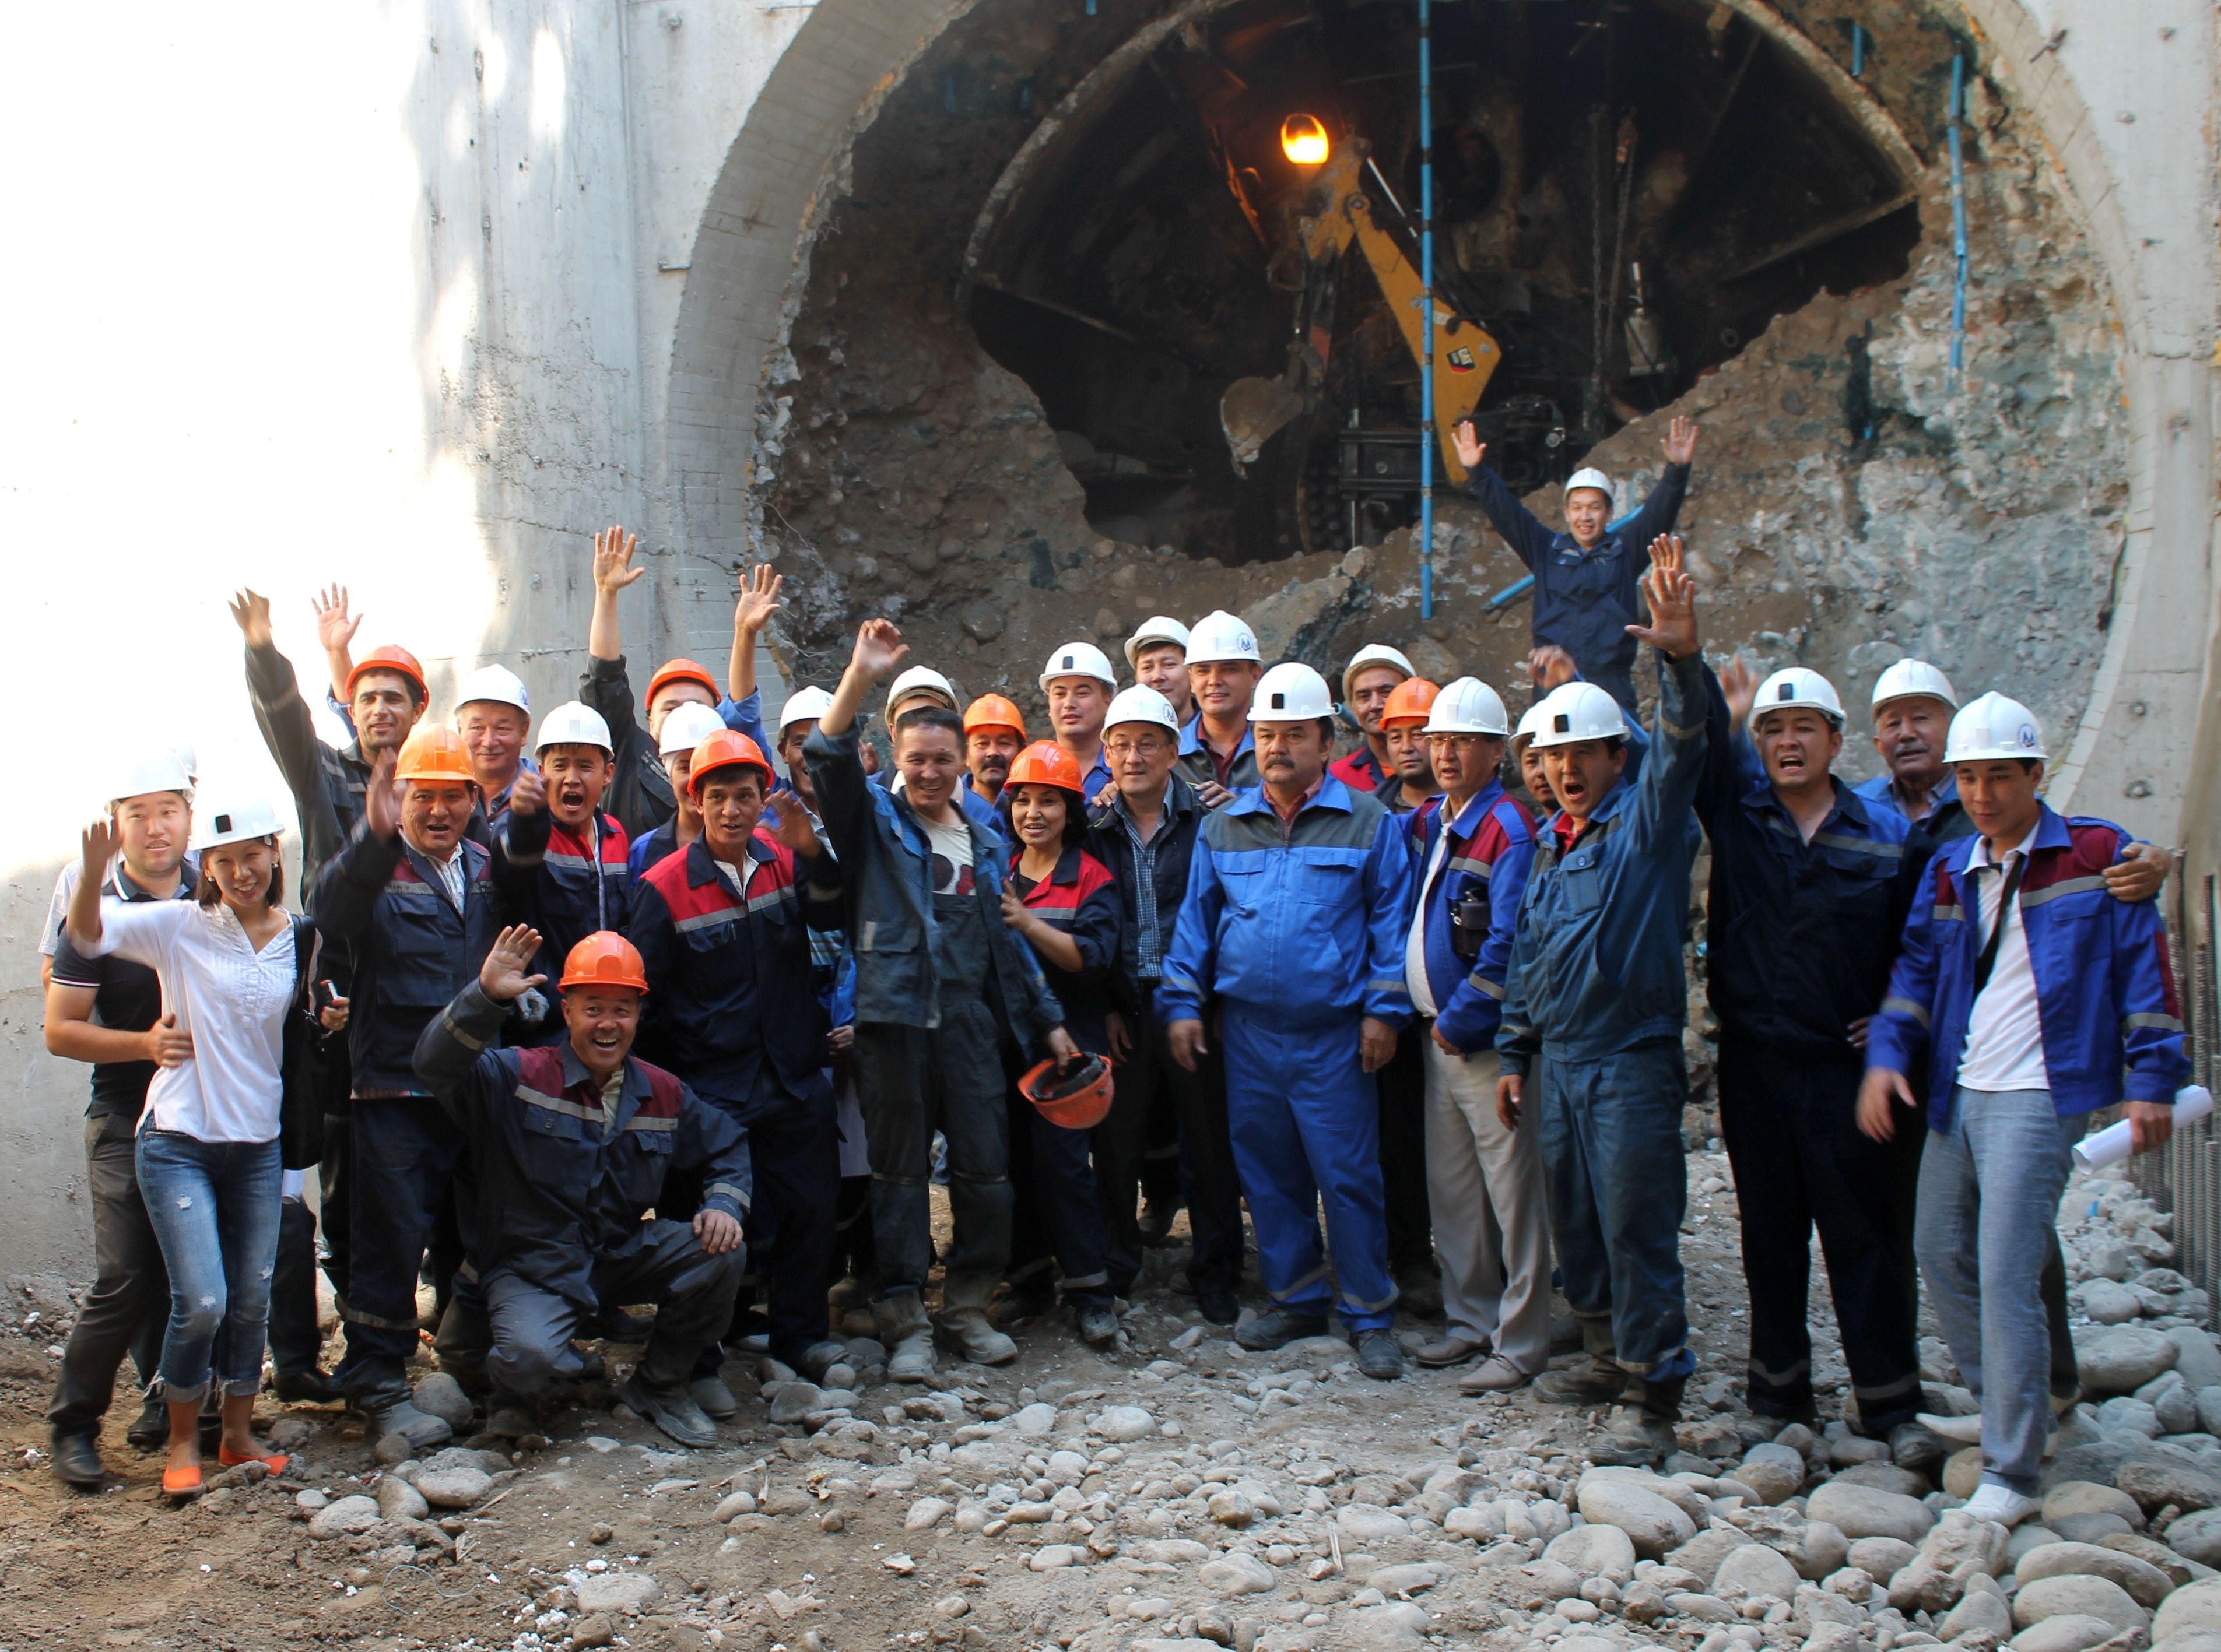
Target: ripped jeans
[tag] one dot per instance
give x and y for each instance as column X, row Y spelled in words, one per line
column 215, row 1209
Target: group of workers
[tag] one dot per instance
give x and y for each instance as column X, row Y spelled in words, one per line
column 673, row 1008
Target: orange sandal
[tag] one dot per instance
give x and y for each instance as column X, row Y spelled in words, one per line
column 231, row 1459
column 182, row 1482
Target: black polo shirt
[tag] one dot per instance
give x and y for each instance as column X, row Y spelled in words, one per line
column 128, row 997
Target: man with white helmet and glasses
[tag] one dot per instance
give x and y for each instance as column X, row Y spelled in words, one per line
column 1293, row 927
column 1077, row 684
column 1595, row 1004
column 1484, row 1181
column 1370, row 676
column 2033, row 997
column 1585, row 578
column 1218, row 752
column 1158, row 652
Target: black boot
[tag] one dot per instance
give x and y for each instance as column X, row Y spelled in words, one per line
column 1641, row 1434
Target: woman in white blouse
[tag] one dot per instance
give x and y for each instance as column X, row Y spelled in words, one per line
column 209, row 1156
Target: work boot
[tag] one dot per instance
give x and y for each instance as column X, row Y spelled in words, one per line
column 308, row 1387
column 670, row 1408
column 1217, row 1303
column 908, row 1334
column 964, row 1324
column 1378, row 1355
column 391, row 1409
column 1030, row 1297
column 1155, row 1222
column 1641, row 1434
column 77, row 1460
column 150, row 1432
column 715, row 1399
column 815, row 1360
column 1098, row 1326
column 1597, row 1379
column 1276, row 1328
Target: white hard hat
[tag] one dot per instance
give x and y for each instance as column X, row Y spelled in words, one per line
column 1141, row 704
column 1795, row 686
column 1467, row 706
column 1578, row 711
column 1291, row 693
column 1589, row 476
column 1221, row 636
column 1993, row 726
column 234, row 820
column 1374, row 654
column 192, row 762
column 1530, row 722
column 574, row 723
column 496, row 684
column 685, row 726
column 152, row 771
column 1913, row 678
column 804, row 705
column 1157, row 628
column 1078, row 659
column 922, row 679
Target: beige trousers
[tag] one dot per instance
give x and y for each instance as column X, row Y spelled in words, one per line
column 1484, row 1191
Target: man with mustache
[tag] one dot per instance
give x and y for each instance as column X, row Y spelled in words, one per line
column 994, row 733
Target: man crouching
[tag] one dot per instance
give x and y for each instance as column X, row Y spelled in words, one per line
column 571, row 1143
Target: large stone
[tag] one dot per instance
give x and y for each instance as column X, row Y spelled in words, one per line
column 1886, row 1477
column 2197, row 1356
column 1237, row 1573
column 1861, row 1511
column 618, row 1591
column 1979, row 1608
column 454, row 1488
column 2177, row 1570
column 1814, row 1547
column 1405, row 1580
column 1482, row 1524
column 2109, row 1304
column 2026, row 1536
column 1654, row 1525
column 2078, row 1597
column 2196, row 1606
column 2088, row 1528
column 441, row 1395
column 2198, row 1537
column 926, row 1513
column 1755, row 1570
column 2068, row 1632
column 2124, row 1359
column 2146, row 1584
column 2160, row 1474
column 1881, row 1557
column 398, row 1500
column 1368, row 1523
column 1122, row 1424
column 1774, row 1472
column 2190, row 1640
column 1173, row 1551
column 1958, row 1550
column 344, row 1518
column 1702, row 1555
column 1682, row 1495
column 792, row 1402
column 2092, row 1460
column 2087, row 1497
column 1594, row 1550
column 1963, row 1473
column 1032, row 1420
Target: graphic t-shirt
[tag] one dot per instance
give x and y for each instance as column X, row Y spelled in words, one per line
column 952, row 855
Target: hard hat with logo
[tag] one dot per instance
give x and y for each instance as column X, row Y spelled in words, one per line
column 993, row 711
column 725, row 749
column 1530, row 723
column 234, row 820
column 433, row 755
column 681, row 671
column 920, row 680
column 1589, row 476
column 1795, row 686
column 1573, row 712
column 1222, row 636
column 1468, row 705
column 1141, row 704
column 149, row 772
column 1291, row 693
column 1078, row 660
column 574, row 723
column 1991, row 728
column 604, row 958
column 685, row 728
column 388, row 658
column 1374, row 654
column 1157, row 629
column 1913, row 678
column 1045, row 764
column 804, row 705
column 1411, row 701
column 496, row 685
column 1077, row 1099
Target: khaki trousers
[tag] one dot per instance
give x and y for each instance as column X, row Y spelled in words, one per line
column 1485, row 1190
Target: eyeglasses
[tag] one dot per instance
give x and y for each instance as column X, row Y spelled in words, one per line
column 1149, row 746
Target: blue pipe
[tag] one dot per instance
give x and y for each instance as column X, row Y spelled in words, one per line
column 1511, row 593
column 1427, row 302
column 1958, row 219
column 1858, row 49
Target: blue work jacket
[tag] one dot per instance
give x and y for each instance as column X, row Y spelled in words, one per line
column 1492, row 847
column 1198, row 766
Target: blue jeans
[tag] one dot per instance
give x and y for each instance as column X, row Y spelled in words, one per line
column 214, row 1207
column 1990, row 1186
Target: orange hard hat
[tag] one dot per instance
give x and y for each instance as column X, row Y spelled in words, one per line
column 993, row 711
column 1045, row 764
column 388, row 658
column 1409, row 702
column 1078, row 1100
column 604, row 958
column 726, row 749
column 681, row 671
column 433, row 754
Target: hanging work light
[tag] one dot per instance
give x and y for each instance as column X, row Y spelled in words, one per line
column 1304, row 139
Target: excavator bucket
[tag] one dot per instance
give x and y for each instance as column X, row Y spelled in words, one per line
column 1252, row 412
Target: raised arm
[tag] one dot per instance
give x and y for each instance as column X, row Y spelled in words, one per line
column 1663, row 507
column 287, row 728
column 1667, row 788
column 1522, row 530
column 613, row 571
column 453, row 1042
column 335, row 629
column 759, row 602
column 347, row 888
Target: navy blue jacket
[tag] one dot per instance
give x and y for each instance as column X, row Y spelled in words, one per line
column 1080, row 897
column 328, row 785
column 1108, row 842
column 566, row 885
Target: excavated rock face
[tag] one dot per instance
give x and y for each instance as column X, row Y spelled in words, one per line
column 1849, row 508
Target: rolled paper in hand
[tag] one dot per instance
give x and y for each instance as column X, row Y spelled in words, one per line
column 2111, row 1144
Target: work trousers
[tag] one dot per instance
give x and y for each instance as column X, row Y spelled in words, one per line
column 692, row 1290
column 1492, row 1219
column 1789, row 1118
column 1990, row 1186
column 915, row 1081
column 1305, row 1122
column 1163, row 1145
column 129, row 1304
column 1203, row 1155
column 1611, row 1155
column 1403, row 1087
column 1056, row 1214
column 406, row 1156
column 213, row 1207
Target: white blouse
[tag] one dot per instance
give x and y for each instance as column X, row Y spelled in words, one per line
column 231, row 998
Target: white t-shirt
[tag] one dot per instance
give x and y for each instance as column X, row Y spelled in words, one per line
column 231, row 998
column 951, row 854
column 2005, row 1031
column 1415, row 944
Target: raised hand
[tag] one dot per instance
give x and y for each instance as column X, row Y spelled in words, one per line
column 1550, row 666
column 501, row 977
column 880, row 648
column 381, row 797
column 1739, row 685
column 789, row 823
column 100, row 845
column 1466, row 443
column 759, row 599
column 251, row 610
column 1679, row 441
column 1673, row 597
column 527, row 794
column 335, row 626
column 613, row 569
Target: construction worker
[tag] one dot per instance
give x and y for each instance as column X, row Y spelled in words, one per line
column 1585, row 578
column 108, row 1011
column 570, row 1145
column 1595, row 1002
column 1403, row 718
column 493, row 713
column 1145, row 836
column 797, row 721
column 1484, row 1182
column 941, row 981
column 1370, row 677
column 1809, row 887
column 1157, row 651
column 1218, row 749
column 721, row 929
column 1528, row 759
column 922, row 686
column 1064, row 902
column 686, row 727
column 994, row 733
column 1077, row 684
column 560, row 859
column 1298, row 900
column 412, row 899
column 2033, row 997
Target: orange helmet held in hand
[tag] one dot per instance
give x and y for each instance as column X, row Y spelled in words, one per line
column 1045, row 764
column 1409, row 702
column 726, row 749
column 993, row 711
column 604, row 958
column 433, row 755
column 1079, row 1100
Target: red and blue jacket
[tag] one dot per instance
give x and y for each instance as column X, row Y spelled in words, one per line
column 567, row 885
column 2105, row 999
column 1080, row 897
column 1491, row 846
column 1361, row 771
column 733, row 1002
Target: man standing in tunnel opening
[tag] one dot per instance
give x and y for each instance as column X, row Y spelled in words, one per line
column 1585, row 578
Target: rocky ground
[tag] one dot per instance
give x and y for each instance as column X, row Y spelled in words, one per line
column 1179, row 1493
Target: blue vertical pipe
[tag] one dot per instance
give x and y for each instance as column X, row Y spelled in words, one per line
column 1427, row 301
column 1958, row 219
column 1858, row 51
